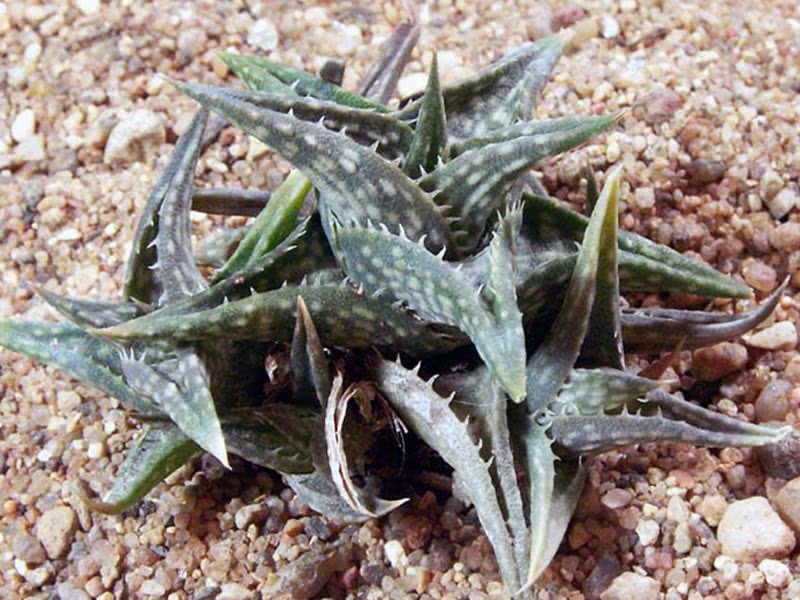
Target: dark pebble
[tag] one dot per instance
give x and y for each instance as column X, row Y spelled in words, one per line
column 703, row 171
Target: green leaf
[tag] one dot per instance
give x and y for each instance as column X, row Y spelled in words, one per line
column 263, row 444
column 501, row 93
column 310, row 371
column 91, row 313
column 643, row 265
column 552, row 362
column 379, row 260
column 159, row 451
column 161, row 266
column 254, row 75
column 380, row 81
column 650, row 330
column 253, row 69
column 354, row 183
column 429, row 144
column 603, row 341
column 180, row 386
column 271, row 226
column 590, row 392
column 429, row 415
column 475, row 183
column 343, row 316
column 592, row 193
column 76, row 353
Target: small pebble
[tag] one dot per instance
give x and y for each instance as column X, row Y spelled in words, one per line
column 234, row 591
column 263, row 35
column 648, row 532
column 616, row 498
column 609, row 27
column 780, row 336
column 23, row 126
column 151, row 587
column 787, row 502
column 645, row 197
column 783, row 202
column 760, row 276
column 411, row 84
column 751, row 530
column 632, row 586
column 55, row 530
column 135, row 137
column 776, row 574
column 395, row 553
column 702, row 171
column 715, row 362
column 88, row 7
column 779, row 459
column 30, row 149
column 659, row 105
column 772, row 403
column 786, row 237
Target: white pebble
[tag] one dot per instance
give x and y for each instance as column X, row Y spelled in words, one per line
column 395, row 554
column 134, row 137
column 751, row 530
column 780, row 336
column 609, row 27
column 648, row 531
column 256, row 149
column 411, row 84
column 782, row 202
column 263, row 34
column 88, row 7
column 346, row 38
column 24, row 125
column 30, row 149
column 96, row 450
column 775, row 572
column 32, row 52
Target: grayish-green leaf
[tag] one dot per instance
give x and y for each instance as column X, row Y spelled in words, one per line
column 429, row 145
column 355, row 183
column 552, row 362
column 180, row 387
column 501, row 93
column 643, row 265
column 578, row 436
column 256, row 71
column 92, row 313
column 343, row 316
column 475, row 183
column 76, row 353
column 217, row 248
column 596, row 391
column 162, row 268
column 159, row 451
column 429, row 415
column 379, row 260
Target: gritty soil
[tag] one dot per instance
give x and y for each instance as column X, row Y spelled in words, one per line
column 711, row 154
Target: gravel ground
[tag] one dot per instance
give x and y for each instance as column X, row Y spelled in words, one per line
column 712, row 156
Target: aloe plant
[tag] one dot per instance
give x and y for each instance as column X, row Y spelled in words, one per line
column 421, row 233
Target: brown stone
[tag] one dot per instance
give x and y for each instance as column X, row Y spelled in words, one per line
column 715, row 362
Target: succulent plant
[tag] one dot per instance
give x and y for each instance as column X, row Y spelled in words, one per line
column 420, row 232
